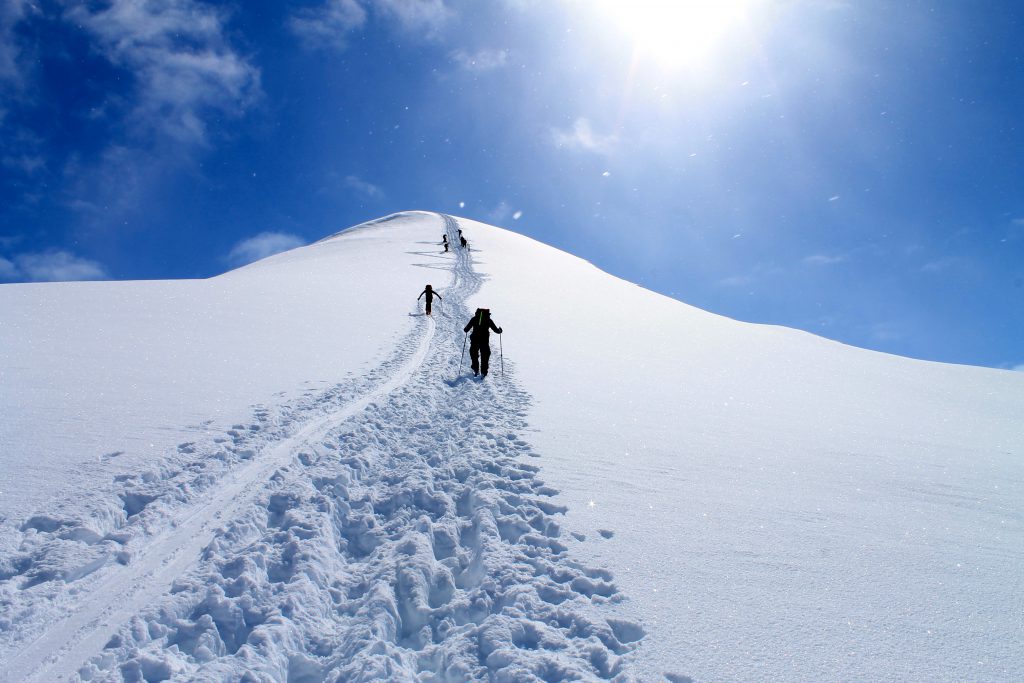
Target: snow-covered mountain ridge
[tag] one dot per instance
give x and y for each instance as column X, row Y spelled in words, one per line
column 280, row 473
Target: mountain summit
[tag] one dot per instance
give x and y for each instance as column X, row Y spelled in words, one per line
column 287, row 472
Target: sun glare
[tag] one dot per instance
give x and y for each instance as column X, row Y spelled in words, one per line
column 676, row 33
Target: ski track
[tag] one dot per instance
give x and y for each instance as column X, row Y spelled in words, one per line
column 387, row 529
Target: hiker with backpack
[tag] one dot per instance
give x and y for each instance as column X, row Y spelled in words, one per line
column 480, row 341
column 429, row 291
column 445, row 239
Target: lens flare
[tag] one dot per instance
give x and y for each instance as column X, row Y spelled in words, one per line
column 676, row 33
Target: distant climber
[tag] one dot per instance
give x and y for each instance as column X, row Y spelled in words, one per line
column 444, row 238
column 480, row 339
column 429, row 291
column 463, row 242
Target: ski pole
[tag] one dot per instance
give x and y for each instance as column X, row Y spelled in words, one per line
column 463, row 356
column 501, row 354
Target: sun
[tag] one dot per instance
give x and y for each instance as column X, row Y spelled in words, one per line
column 676, row 33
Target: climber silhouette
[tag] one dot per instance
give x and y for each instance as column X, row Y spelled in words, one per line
column 480, row 339
column 429, row 291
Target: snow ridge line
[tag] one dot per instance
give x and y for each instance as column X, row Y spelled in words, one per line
column 140, row 575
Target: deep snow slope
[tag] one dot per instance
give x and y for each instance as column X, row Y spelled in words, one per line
column 102, row 376
column 384, row 526
column 776, row 505
column 281, row 473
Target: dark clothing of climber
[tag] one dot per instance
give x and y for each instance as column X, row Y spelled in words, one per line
column 480, row 339
column 463, row 242
column 429, row 291
column 444, row 238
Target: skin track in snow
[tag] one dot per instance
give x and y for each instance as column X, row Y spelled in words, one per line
column 397, row 534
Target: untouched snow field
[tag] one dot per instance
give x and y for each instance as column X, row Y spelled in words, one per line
column 280, row 474
column 777, row 506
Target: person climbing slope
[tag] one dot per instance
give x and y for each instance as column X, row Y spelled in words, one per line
column 444, row 238
column 463, row 242
column 429, row 291
column 480, row 340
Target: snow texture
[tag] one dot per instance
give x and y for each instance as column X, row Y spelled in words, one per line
column 286, row 473
column 784, row 507
column 389, row 528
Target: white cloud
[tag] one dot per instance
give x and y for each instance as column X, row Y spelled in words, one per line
column 482, row 60
column 368, row 190
column 51, row 266
column 823, row 260
column 182, row 64
column 261, row 246
column 582, row 136
column 329, row 25
column 416, row 16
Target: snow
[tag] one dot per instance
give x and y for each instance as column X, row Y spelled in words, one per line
column 281, row 473
column 106, row 376
column 784, row 507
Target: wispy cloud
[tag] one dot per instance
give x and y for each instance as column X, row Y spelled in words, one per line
column 51, row 266
column 736, row 281
column 480, row 61
column 26, row 163
column 364, row 188
column 426, row 17
column 329, row 25
column 182, row 64
column 8, row 271
column 887, row 332
column 582, row 136
column 8, row 242
column 120, row 180
column 502, row 213
column 261, row 246
column 499, row 213
column 11, row 14
column 823, row 260
column 942, row 265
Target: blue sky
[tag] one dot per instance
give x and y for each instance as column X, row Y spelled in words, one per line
column 849, row 168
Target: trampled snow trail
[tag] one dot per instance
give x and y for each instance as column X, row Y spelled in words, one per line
column 399, row 534
column 58, row 651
